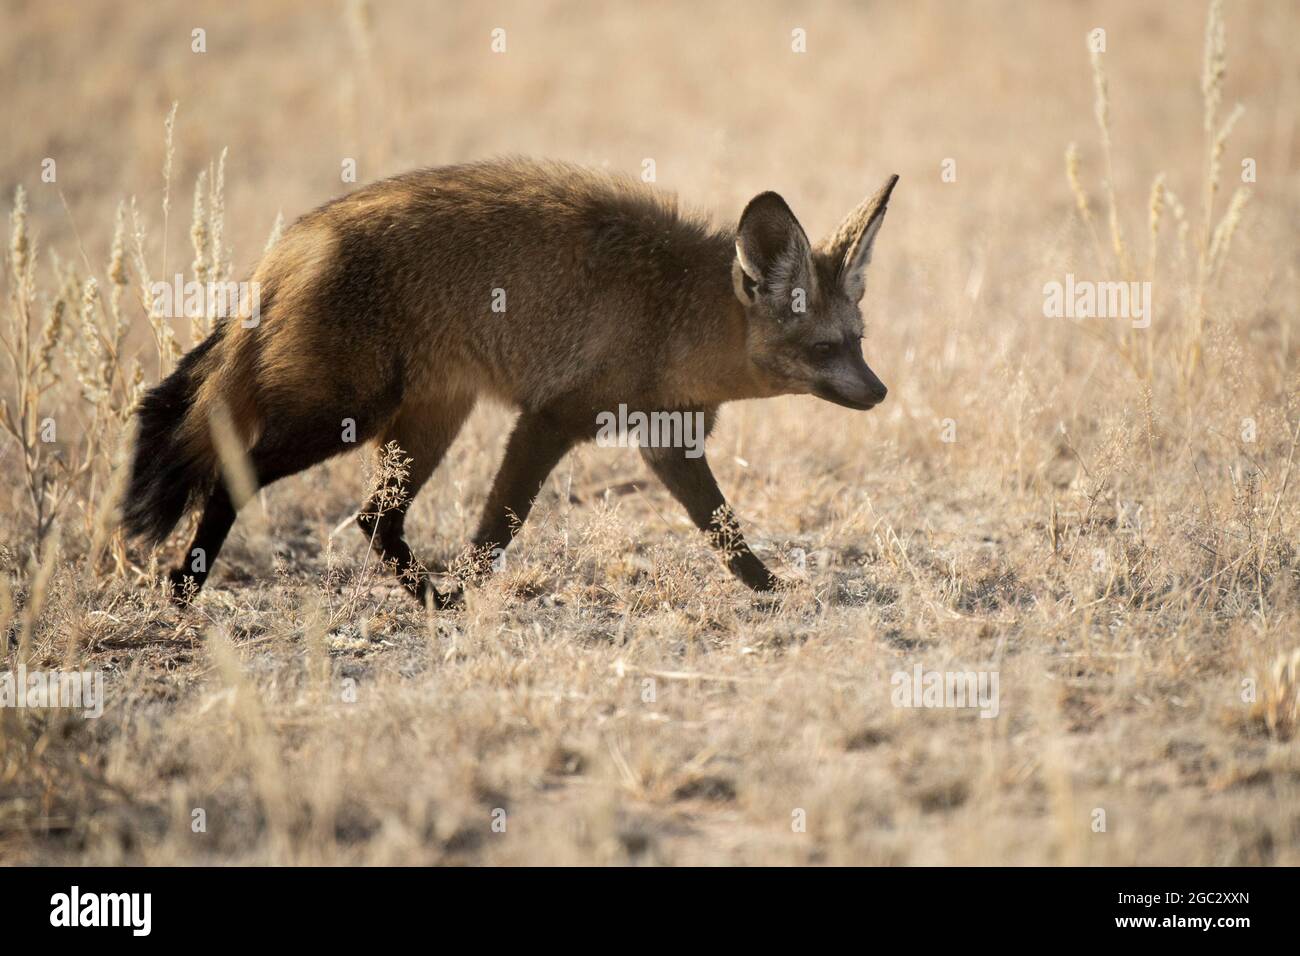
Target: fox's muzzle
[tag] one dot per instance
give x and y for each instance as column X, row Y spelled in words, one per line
column 851, row 383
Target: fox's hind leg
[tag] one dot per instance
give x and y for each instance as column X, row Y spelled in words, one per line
column 297, row 444
column 539, row 440
column 424, row 431
column 214, row 525
column 219, row 517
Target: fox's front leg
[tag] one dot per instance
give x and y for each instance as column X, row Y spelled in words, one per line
column 692, row 483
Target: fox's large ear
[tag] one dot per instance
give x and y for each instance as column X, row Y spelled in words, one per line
column 850, row 247
column 773, row 255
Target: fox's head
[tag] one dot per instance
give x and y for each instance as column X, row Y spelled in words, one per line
column 802, row 304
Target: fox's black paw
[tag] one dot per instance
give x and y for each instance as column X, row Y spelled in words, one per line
column 426, row 594
column 182, row 586
column 452, row 600
column 763, row 581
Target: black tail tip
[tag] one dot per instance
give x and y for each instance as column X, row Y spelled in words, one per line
column 164, row 478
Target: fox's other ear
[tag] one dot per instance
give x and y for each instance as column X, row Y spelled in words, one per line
column 773, row 255
column 850, row 247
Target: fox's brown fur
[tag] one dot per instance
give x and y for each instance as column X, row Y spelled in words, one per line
column 378, row 307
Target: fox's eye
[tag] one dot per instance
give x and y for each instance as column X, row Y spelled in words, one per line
column 823, row 349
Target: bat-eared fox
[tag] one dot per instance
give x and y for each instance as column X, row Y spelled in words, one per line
column 563, row 292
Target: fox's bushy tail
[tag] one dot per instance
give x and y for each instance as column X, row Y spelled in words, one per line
column 173, row 463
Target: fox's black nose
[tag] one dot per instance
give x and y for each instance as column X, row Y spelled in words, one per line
column 873, row 389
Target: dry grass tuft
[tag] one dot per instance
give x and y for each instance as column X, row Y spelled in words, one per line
column 1278, row 707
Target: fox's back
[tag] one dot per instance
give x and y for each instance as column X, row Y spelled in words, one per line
column 528, row 278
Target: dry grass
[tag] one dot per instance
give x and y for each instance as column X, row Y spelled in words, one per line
column 1103, row 515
